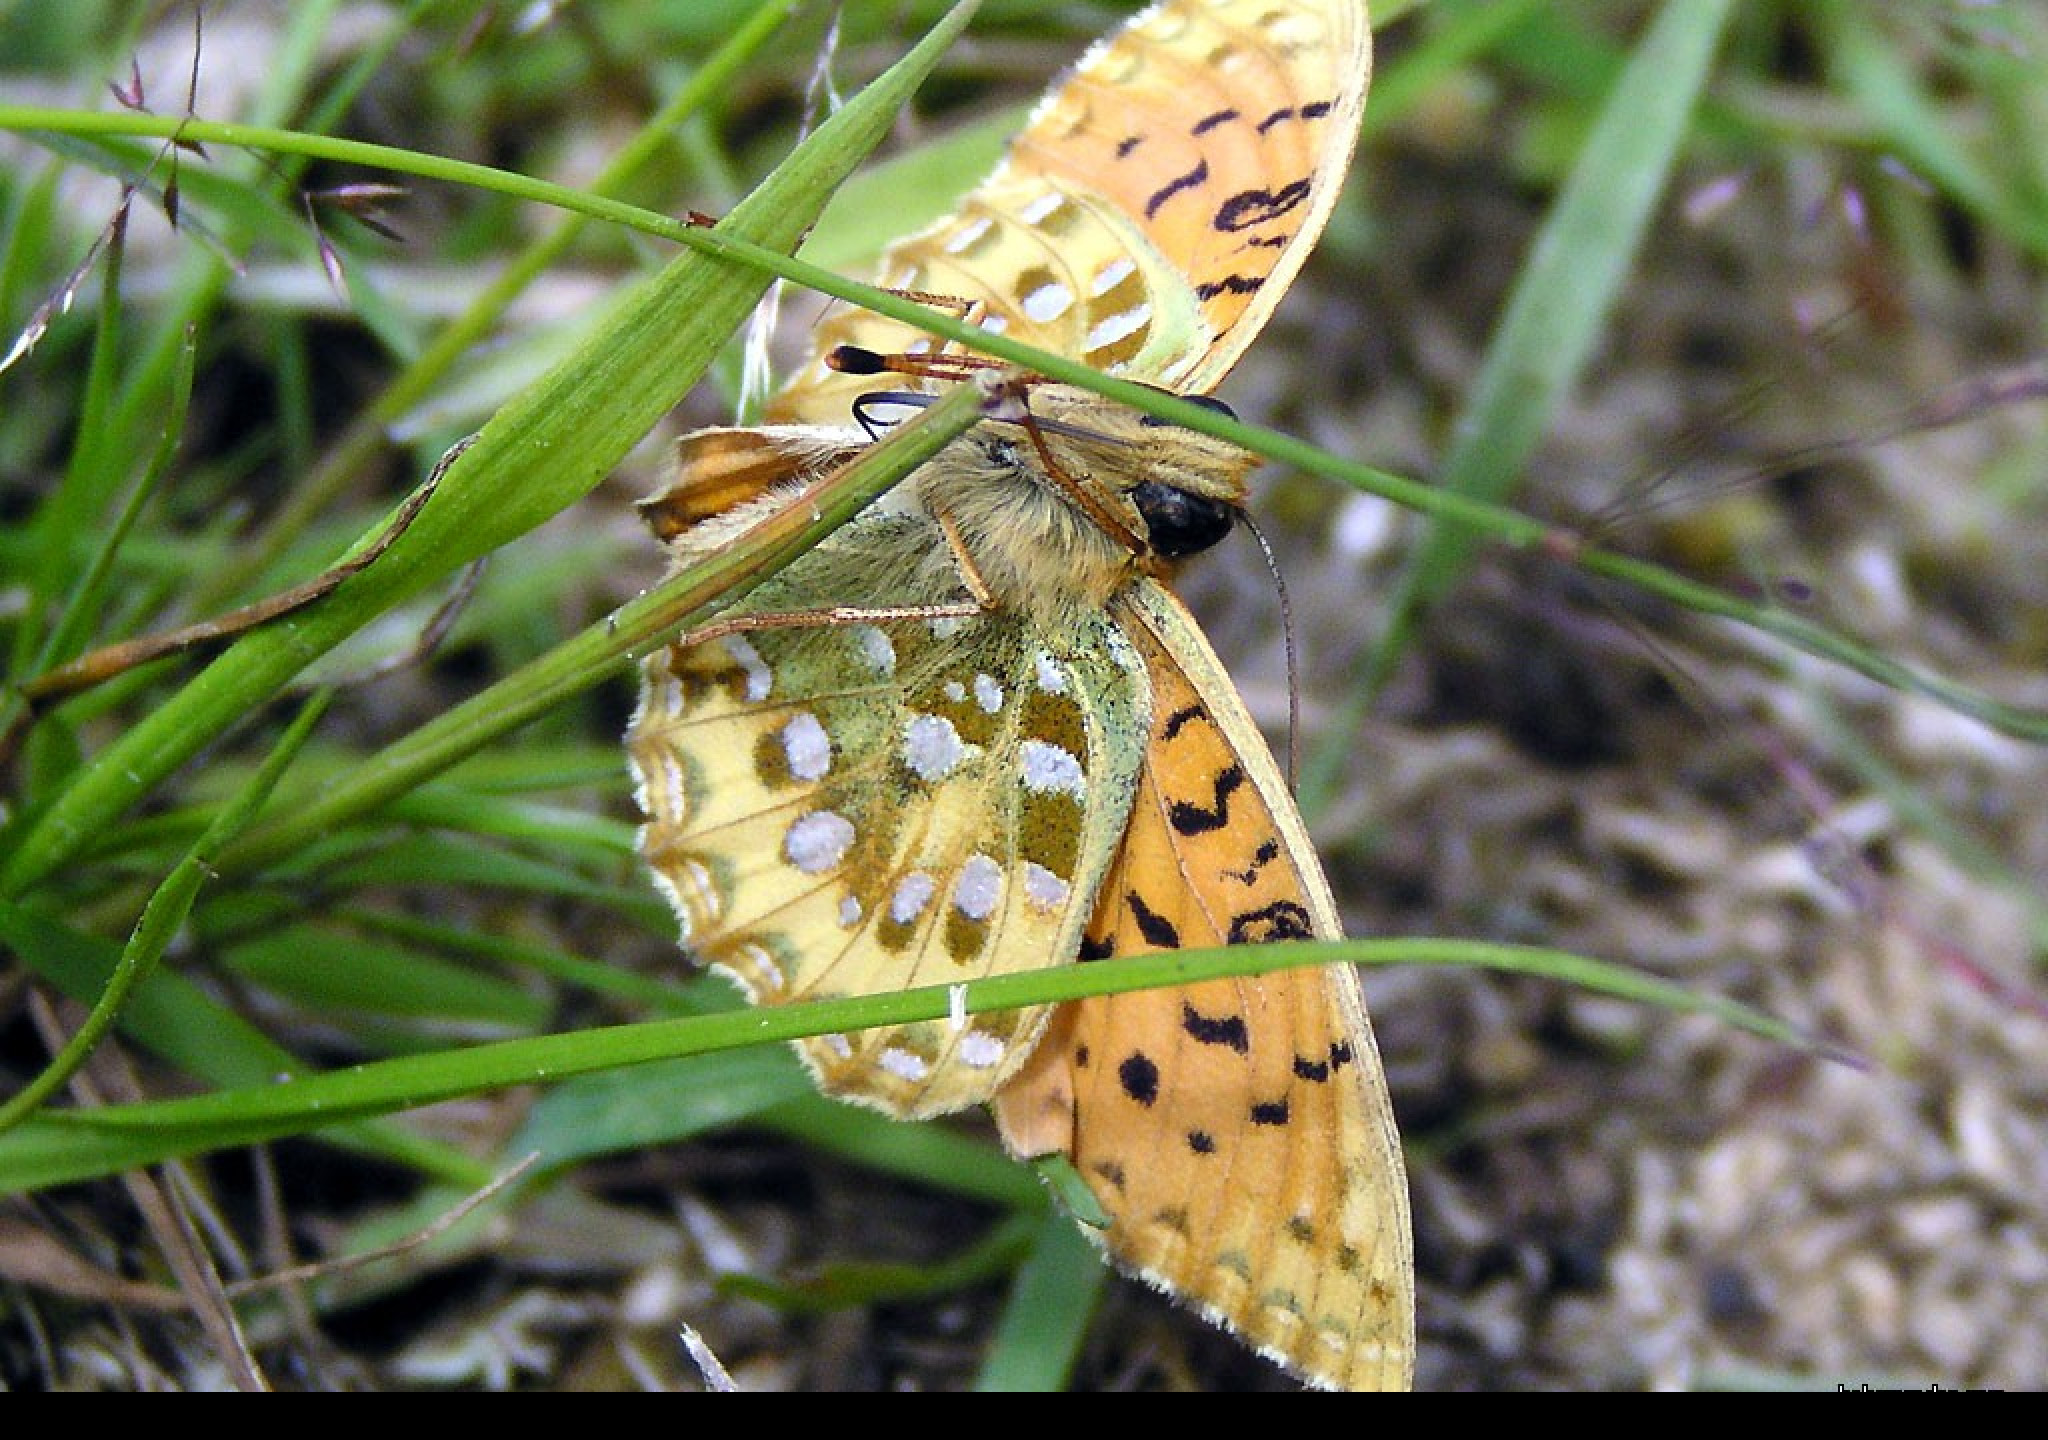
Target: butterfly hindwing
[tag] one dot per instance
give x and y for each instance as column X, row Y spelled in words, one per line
column 851, row 809
column 1237, row 1132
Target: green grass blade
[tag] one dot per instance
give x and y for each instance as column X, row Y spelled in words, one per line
column 436, row 365
column 1908, row 121
column 49, row 1149
column 1046, row 1318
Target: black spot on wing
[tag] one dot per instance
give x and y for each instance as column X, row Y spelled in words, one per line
column 1093, row 948
column 1188, row 818
column 1209, row 122
column 1266, row 854
column 1139, row 1077
column 1215, row 1029
column 1156, row 928
column 1253, row 207
column 1129, row 143
column 1229, row 285
column 1201, row 1142
column 1180, row 719
column 1270, row 1112
column 1172, row 1217
column 1314, row 110
column 1193, row 179
column 1282, row 920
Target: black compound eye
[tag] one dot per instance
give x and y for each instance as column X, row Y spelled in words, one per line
column 1178, row 523
column 1207, row 402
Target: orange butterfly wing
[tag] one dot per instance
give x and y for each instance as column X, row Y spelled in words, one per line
column 1155, row 209
column 1237, row 1132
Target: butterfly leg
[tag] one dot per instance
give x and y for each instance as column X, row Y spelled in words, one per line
column 825, row 616
column 980, row 602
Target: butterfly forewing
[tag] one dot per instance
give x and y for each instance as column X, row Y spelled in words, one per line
column 1155, row 209
column 1237, row 1132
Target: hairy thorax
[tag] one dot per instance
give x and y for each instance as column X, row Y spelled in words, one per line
column 1048, row 543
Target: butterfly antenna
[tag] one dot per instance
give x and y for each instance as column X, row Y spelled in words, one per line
column 1293, row 652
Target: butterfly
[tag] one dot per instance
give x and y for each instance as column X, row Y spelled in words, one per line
column 974, row 731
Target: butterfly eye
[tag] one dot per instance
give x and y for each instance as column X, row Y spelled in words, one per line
column 1178, row 523
column 1207, row 402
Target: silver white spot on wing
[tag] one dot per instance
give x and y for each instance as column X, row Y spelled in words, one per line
column 904, row 1065
column 761, row 971
column 806, row 747
column 980, row 1050
column 1112, row 328
column 1051, row 678
column 913, row 892
column 932, row 748
column 661, row 694
column 1047, row 303
column 1042, row 207
column 849, row 912
column 988, row 693
column 687, row 895
column 1049, row 768
column 1112, row 275
column 760, row 679
column 967, row 235
column 876, row 648
column 1044, row 890
column 979, row 889
column 660, row 789
column 816, row 842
